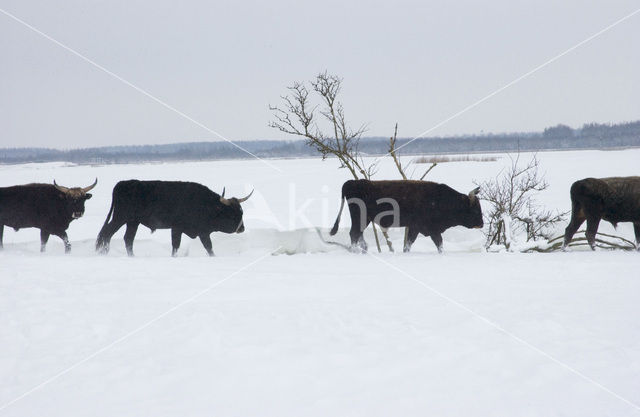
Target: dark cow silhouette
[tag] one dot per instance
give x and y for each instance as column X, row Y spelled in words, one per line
column 183, row 207
column 47, row 207
column 615, row 199
column 423, row 207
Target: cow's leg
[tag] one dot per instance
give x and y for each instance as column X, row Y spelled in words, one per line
column 176, row 237
column 636, row 229
column 206, row 242
column 44, row 238
column 107, row 231
column 65, row 240
column 355, row 234
column 592, row 228
column 577, row 218
column 357, row 237
column 359, row 223
column 412, row 234
column 437, row 240
column 129, row 235
column 363, row 244
column 1, row 235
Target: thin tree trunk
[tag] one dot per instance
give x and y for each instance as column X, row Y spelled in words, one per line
column 375, row 234
column 386, row 236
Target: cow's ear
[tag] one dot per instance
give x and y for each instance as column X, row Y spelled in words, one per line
column 88, row 196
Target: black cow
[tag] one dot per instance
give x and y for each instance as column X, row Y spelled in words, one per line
column 423, row 207
column 47, row 207
column 615, row 199
column 183, row 207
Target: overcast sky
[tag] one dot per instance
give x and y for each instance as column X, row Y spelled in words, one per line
column 223, row 63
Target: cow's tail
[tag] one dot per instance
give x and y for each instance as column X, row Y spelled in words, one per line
column 100, row 242
column 577, row 188
column 334, row 230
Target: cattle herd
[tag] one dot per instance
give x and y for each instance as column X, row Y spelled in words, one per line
column 422, row 207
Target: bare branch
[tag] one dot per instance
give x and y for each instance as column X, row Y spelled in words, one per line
column 392, row 152
column 428, row 170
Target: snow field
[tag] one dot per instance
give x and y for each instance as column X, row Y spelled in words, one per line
column 322, row 332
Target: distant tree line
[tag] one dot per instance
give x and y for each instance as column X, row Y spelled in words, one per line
column 560, row 137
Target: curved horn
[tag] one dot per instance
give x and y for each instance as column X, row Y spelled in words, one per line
column 242, row 200
column 225, row 201
column 223, row 190
column 60, row 187
column 473, row 194
column 89, row 188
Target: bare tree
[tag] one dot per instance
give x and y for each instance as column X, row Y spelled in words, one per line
column 300, row 116
column 320, row 119
column 513, row 208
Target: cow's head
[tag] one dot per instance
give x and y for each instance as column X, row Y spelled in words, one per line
column 75, row 198
column 473, row 217
column 231, row 217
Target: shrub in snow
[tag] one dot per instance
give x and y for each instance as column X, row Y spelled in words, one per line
column 515, row 221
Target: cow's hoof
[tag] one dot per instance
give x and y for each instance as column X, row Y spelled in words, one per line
column 357, row 249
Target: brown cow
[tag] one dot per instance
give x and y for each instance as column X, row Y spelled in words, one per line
column 615, row 199
column 424, row 207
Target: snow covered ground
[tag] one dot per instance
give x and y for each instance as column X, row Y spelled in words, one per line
column 280, row 324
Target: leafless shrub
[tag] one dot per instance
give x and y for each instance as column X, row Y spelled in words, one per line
column 513, row 208
column 445, row 158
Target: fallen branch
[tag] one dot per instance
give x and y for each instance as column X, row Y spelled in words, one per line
column 328, row 242
column 555, row 244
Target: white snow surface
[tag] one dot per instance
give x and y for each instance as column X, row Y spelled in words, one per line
column 281, row 324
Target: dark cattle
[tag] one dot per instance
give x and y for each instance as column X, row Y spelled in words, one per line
column 47, row 207
column 183, row 207
column 615, row 200
column 423, row 207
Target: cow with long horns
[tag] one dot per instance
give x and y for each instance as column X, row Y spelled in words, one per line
column 423, row 207
column 47, row 207
column 183, row 207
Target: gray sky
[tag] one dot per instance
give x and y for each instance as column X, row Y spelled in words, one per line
column 222, row 63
